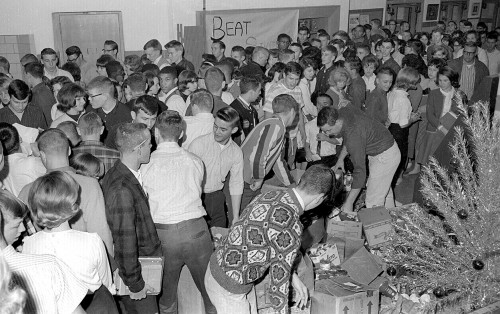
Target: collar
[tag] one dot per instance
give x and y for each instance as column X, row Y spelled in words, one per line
column 167, row 146
column 171, row 91
column 204, row 115
column 9, row 251
column 157, row 60
column 244, row 102
column 136, row 174
column 400, row 91
column 301, row 201
column 63, row 169
column 92, row 142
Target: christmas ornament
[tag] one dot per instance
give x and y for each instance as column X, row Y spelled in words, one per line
column 391, row 271
column 463, row 214
column 478, row 264
column 439, row 292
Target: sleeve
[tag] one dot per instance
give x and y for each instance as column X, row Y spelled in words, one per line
column 356, row 147
column 103, row 268
column 309, row 107
column 268, row 103
column 383, row 113
column 404, row 112
column 236, row 179
column 432, row 118
column 69, row 291
column 195, row 148
column 482, row 56
column 263, row 149
column 121, row 218
column 95, row 214
column 281, row 170
column 177, row 103
column 358, row 94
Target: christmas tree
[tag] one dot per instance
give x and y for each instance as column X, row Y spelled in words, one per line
column 450, row 248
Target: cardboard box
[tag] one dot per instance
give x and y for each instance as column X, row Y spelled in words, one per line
column 346, row 247
column 490, row 309
column 362, row 266
column 377, row 225
column 325, row 251
column 152, row 273
column 343, row 296
column 344, row 229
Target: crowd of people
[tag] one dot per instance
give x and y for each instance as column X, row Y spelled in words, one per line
column 102, row 164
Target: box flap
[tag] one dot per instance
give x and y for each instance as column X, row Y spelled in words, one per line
column 369, row 216
column 362, row 267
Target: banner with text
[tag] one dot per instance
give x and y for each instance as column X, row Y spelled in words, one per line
column 250, row 29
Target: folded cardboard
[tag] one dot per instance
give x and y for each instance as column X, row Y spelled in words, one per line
column 377, row 225
column 152, row 273
column 362, row 266
column 346, row 246
column 343, row 295
column 325, row 251
column 344, row 229
column 490, row 309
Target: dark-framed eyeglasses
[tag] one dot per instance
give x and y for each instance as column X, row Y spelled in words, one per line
column 93, row 96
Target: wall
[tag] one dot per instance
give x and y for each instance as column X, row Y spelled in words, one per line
column 13, row 48
column 371, row 4
column 142, row 20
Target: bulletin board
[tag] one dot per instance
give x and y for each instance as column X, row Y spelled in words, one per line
column 357, row 17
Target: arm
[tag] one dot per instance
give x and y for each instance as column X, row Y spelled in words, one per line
column 432, row 117
column 340, row 160
column 236, row 185
column 281, row 170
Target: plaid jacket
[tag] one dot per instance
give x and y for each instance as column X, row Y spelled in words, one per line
column 105, row 154
column 129, row 218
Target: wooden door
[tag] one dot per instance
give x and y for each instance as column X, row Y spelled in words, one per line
column 88, row 31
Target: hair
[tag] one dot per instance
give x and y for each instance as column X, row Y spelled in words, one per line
column 355, row 64
column 153, row 68
column 407, row 78
column 293, row 68
column 365, row 47
column 340, row 74
column 453, row 76
column 73, row 50
column 209, row 58
column 90, row 123
column 87, row 165
column 102, row 84
column 170, row 125
column 74, row 70
column 145, row 60
column 238, row 49
column 9, row 138
column 227, row 69
column 322, row 95
column 315, row 40
column 137, row 82
column 111, row 43
column 416, row 45
column 203, row 100
column 48, row 52
column 332, row 49
column 436, row 62
column 169, row 70
column 370, row 59
column 153, row 43
column 388, row 40
column 304, row 28
column 278, row 67
column 103, row 60
column 367, row 27
column 327, row 115
column 467, row 23
column 129, row 135
column 324, row 35
column 470, row 44
column 284, row 103
column 285, row 55
column 186, row 77
column 483, row 25
column 229, row 115
column 53, row 140
column 213, row 79
column 175, row 44
column 53, row 199
column 69, row 130
column 146, row 103
column 35, row 69
column 308, row 62
column 150, row 79
column 284, row 36
column 134, row 62
column 386, row 70
column 249, row 52
column 114, row 69
column 221, row 44
column 492, row 35
column 27, row 58
column 318, row 179
column 4, row 63
column 249, row 83
column 19, row 89
column 415, row 62
column 66, row 97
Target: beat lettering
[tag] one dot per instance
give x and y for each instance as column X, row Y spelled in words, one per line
column 221, row 29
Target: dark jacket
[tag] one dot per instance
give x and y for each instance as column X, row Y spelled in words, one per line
column 481, row 69
column 434, row 108
column 129, row 218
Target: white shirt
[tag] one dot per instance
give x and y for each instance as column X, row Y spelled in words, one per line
column 312, row 129
column 448, row 98
column 175, row 102
column 83, row 252
column 198, row 125
column 370, row 82
column 309, row 107
column 173, row 179
column 399, row 107
column 494, row 61
column 227, row 97
column 20, row 170
column 59, row 72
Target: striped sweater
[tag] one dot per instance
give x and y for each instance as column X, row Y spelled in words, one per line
column 263, row 151
column 267, row 236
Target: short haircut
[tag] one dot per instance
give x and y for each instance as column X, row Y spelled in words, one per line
column 150, row 79
column 438, row 30
column 103, row 85
column 146, row 103
column 5, row 64
column 238, row 49
column 186, row 77
column 53, row 140
column 285, row 55
column 293, row 68
column 134, row 62
column 370, row 59
column 227, row 69
column 492, row 35
column 315, row 40
column 407, row 78
column 470, row 44
column 221, row 44
column 355, row 64
column 213, row 79
column 386, row 70
column 53, row 199
column 86, row 164
column 103, row 60
column 388, row 40
column 73, row 50
column 137, row 82
column 367, row 27
column 278, row 67
column 174, row 44
column 415, row 62
column 153, row 43
column 111, row 43
column 377, row 22
column 90, row 123
column 202, row 99
column 153, row 68
column 318, row 179
column 249, row 83
column 172, row 71
column 468, row 23
column 436, row 62
column 67, row 95
column 9, row 138
column 453, row 76
column 74, row 70
column 170, row 125
column 61, row 80
column 342, row 35
column 27, row 58
column 284, row 103
column 5, row 81
column 327, row 115
column 308, row 62
column 114, row 69
column 322, row 95
column 332, row 49
column 130, row 135
column 365, row 47
column 416, row 45
column 340, row 74
column 284, row 36
column 70, row 131
column 304, row 28
column 339, row 42
column 229, row 115
column 48, row 52
column 35, row 69
column 19, row 89
column 10, row 206
column 324, row 35
column 297, row 45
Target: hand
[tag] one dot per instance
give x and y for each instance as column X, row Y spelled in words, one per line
column 322, row 137
column 257, row 184
column 246, row 124
column 309, row 156
column 235, row 219
column 302, row 293
column 415, row 116
column 141, row 294
column 339, row 166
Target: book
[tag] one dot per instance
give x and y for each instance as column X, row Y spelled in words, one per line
column 152, row 273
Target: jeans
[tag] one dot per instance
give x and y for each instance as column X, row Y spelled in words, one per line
column 186, row 243
column 226, row 302
column 215, row 207
column 382, row 169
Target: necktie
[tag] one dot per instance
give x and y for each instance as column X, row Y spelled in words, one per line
column 318, row 147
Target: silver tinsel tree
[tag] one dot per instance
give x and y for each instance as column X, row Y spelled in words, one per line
column 451, row 247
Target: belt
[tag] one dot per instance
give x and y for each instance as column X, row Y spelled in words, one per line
column 178, row 225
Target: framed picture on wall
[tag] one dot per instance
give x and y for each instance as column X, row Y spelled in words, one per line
column 474, row 9
column 432, row 12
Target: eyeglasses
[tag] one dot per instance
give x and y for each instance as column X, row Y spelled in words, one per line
column 72, row 60
column 140, row 145
column 92, row 96
column 107, row 50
